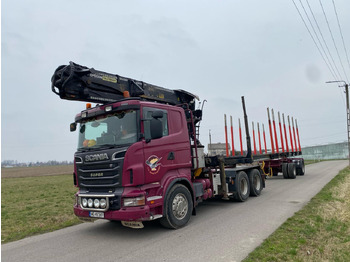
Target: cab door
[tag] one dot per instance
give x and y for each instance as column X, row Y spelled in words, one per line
column 169, row 152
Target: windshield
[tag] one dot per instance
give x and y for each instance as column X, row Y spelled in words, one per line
column 113, row 130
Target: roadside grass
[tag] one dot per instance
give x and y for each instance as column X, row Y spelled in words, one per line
column 318, row 232
column 34, row 205
column 308, row 162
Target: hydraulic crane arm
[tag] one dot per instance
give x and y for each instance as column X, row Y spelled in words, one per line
column 76, row 82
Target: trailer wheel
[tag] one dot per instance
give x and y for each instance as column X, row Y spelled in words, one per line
column 242, row 187
column 255, row 181
column 301, row 168
column 178, row 207
column 285, row 170
column 292, row 171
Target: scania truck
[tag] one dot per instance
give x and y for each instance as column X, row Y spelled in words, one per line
column 139, row 157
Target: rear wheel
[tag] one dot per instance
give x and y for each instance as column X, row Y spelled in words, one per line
column 178, row 207
column 242, row 187
column 292, row 172
column 285, row 170
column 255, row 181
column 301, row 168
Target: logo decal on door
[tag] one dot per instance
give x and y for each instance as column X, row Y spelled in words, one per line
column 153, row 162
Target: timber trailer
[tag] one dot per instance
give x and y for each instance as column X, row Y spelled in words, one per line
column 139, row 157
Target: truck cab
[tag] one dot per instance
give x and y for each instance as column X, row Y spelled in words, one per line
column 139, row 157
column 128, row 154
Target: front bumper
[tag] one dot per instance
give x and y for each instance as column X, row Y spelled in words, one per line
column 150, row 209
column 141, row 213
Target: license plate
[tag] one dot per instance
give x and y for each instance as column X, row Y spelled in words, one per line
column 97, row 214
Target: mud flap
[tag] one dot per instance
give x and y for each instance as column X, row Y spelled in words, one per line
column 133, row 224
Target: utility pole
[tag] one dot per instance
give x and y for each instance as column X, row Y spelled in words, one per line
column 209, row 143
column 347, row 110
column 348, row 116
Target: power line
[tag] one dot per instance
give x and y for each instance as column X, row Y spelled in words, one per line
column 319, row 29
column 313, row 39
column 324, row 41
column 335, row 46
column 346, row 52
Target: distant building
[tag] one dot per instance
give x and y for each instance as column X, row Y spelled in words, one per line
column 331, row 151
column 218, row 149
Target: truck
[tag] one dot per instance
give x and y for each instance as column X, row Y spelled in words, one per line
column 139, row 157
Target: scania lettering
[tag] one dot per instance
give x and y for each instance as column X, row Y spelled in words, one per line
column 96, row 157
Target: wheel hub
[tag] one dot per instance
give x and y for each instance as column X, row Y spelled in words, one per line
column 180, row 206
column 257, row 182
column 244, row 187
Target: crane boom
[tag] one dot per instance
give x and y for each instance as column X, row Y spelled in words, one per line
column 80, row 83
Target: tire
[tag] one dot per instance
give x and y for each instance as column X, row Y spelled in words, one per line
column 301, row 168
column 242, row 187
column 177, row 208
column 292, row 171
column 285, row 170
column 255, row 182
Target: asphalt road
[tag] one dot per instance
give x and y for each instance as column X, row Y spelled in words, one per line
column 221, row 231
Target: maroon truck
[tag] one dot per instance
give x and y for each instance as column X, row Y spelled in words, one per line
column 139, row 157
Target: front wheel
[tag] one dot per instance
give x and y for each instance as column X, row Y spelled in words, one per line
column 178, row 207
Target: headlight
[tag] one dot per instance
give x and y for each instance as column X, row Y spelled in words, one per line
column 96, row 203
column 84, row 202
column 90, row 202
column 103, row 203
column 134, row 201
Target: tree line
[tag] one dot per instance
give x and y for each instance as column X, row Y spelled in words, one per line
column 15, row 163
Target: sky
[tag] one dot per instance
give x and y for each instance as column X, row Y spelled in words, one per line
column 219, row 50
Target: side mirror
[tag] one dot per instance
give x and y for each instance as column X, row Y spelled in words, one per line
column 73, row 127
column 157, row 114
column 156, row 128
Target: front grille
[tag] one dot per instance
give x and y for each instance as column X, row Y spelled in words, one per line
column 100, row 177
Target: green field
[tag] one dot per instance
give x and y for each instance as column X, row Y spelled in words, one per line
column 318, row 232
column 34, row 205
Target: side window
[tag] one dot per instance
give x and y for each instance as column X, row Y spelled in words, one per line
column 147, row 114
